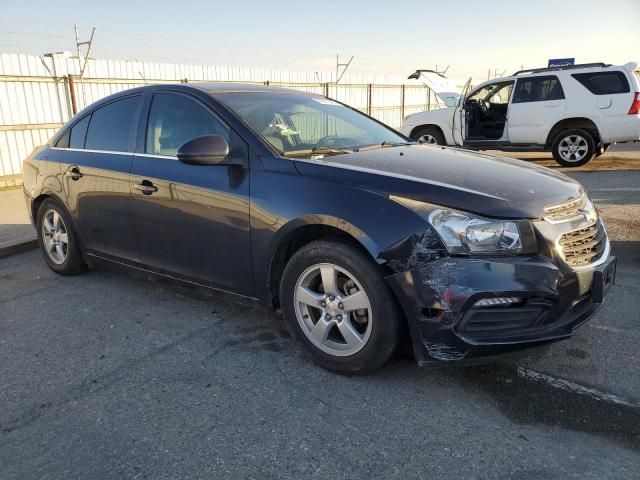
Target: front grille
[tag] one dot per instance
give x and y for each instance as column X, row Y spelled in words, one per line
column 565, row 211
column 583, row 246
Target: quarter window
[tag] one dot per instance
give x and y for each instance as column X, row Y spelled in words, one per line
column 63, row 141
column 538, row 89
column 79, row 132
column 603, row 83
column 110, row 126
column 176, row 119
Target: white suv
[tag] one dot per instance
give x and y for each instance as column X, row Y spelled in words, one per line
column 575, row 111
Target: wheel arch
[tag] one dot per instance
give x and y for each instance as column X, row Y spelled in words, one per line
column 38, row 200
column 571, row 123
column 300, row 232
column 427, row 125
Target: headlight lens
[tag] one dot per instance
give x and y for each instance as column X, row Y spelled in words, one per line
column 466, row 233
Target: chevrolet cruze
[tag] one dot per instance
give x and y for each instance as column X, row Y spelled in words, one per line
column 360, row 236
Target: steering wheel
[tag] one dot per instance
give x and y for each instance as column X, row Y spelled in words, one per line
column 483, row 106
column 328, row 141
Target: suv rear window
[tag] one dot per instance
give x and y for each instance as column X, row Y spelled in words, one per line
column 538, row 89
column 603, row 83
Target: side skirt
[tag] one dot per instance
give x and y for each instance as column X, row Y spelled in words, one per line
column 145, row 272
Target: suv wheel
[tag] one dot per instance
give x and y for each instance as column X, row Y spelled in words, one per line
column 57, row 239
column 429, row 135
column 572, row 148
column 336, row 304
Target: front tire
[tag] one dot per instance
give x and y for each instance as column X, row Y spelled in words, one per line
column 429, row 135
column 573, row 148
column 337, row 305
column 57, row 239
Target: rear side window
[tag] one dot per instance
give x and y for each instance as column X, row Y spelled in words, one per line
column 176, row 119
column 603, row 83
column 78, row 133
column 110, row 126
column 63, row 141
column 538, row 89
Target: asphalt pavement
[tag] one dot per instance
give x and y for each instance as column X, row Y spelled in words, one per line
column 107, row 376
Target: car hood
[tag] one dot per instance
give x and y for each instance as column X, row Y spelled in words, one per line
column 484, row 184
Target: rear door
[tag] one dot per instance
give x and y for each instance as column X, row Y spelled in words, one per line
column 537, row 103
column 96, row 172
column 192, row 220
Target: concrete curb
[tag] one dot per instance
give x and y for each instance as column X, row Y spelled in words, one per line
column 18, row 247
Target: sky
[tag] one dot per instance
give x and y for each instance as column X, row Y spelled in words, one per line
column 391, row 37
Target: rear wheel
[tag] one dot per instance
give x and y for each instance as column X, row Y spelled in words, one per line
column 573, row 148
column 336, row 304
column 429, row 135
column 57, row 239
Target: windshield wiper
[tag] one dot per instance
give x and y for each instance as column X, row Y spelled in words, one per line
column 384, row 144
column 318, row 151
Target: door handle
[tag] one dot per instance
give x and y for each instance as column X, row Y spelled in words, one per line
column 146, row 187
column 74, row 173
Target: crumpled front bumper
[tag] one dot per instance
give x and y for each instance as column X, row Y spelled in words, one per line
column 439, row 297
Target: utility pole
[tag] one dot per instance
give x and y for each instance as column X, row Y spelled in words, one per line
column 344, row 67
column 82, row 65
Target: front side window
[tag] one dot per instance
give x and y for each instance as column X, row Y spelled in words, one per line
column 175, row 119
column 110, row 126
column 603, row 83
column 538, row 89
column 302, row 126
column 494, row 93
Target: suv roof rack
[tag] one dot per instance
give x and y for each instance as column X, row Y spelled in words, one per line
column 562, row 67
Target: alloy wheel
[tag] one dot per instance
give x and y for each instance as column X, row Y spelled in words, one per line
column 427, row 139
column 333, row 309
column 573, row 148
column 55, row 236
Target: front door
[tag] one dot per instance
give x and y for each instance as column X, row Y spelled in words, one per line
column 96, row 172
column 485, row 113
column 458, row 121
column 191, row 220
column 538, row 104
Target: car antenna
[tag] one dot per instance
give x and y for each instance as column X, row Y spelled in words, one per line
column 141, row 75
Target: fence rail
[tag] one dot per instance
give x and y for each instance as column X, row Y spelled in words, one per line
column 37, row 98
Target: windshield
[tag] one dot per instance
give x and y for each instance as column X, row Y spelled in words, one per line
column 495, row 93
column 303, row 126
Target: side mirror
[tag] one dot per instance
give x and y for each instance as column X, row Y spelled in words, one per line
column 450, row 102
column 205, row 150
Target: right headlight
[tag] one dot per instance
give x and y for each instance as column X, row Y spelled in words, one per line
column 470, row 234
column 463, row 232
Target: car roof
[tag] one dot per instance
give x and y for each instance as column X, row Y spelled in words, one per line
column 229, row 87
column 542, row 72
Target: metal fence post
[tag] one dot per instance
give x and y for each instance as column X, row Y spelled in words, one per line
column 369, row 106
column 72, row 95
